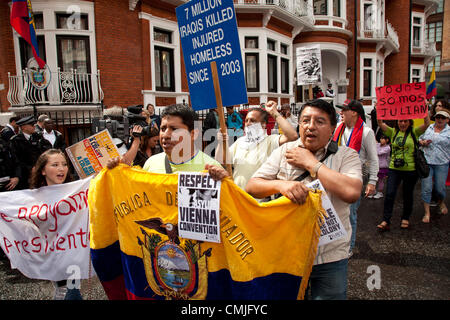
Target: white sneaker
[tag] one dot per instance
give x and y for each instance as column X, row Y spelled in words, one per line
column 378, row 195
column 60, row 293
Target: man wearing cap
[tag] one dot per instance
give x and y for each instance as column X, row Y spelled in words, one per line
column 26, row 146
column 354, row 133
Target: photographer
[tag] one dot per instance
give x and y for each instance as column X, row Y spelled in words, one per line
column 401, row 168
column 143, row 141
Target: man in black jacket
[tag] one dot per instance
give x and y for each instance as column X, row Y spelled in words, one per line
column 11, row 129
column 51, row 139
column 26, row 147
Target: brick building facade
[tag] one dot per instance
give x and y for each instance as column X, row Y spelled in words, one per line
column 129, row 52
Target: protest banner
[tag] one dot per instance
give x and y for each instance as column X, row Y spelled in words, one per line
column 198, row 207
column 401, row 101
column 45, row 232
column 90, row 155
column 309, row 65
column 332, row 229
column 208, row 32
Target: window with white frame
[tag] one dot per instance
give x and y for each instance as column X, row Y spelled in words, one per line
column 433, row 32
column 320, row 7
column 252, row 63
column 436, row 62
column 337, row 8
column 417, row 28
column 368, row 16
column 368, row 79
column 416, row 75
column 164, row 60
column 380, row 73
column 65, row 34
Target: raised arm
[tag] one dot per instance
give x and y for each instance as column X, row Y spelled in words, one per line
column 289, row 133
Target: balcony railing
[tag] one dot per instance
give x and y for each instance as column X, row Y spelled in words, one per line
column 372, row 31
column 423, row 48
column 65, row 88
column 299, row 8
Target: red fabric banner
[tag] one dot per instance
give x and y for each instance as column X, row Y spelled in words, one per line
column 402, row 101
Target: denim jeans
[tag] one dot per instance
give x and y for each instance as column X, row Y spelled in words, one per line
column 395, row 177
column 353, row 218
column 439, row 174
column 328, row 281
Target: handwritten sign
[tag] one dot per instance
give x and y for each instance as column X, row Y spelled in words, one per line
column 401, row 101
column 208, row 32
column 198, row 207
column 90, row 155
column 45, row 232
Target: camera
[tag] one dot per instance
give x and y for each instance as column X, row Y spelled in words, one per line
column 133, row 118
column 399, row 163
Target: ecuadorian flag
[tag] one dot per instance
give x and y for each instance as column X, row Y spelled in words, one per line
column 431, row 89
column 266, row 251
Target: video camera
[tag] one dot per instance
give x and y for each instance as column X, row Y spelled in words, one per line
column 133, row 118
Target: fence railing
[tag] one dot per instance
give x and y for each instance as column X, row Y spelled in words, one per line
column 64, row 88
column 300, row 8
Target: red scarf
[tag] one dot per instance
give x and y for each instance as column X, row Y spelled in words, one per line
column 355, row 139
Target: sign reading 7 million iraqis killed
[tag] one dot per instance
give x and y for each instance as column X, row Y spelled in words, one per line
column 208, row 32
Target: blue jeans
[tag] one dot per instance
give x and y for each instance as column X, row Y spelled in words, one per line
column 395, row 177
column 439, row 173
column 353, row 217
column 328, row 281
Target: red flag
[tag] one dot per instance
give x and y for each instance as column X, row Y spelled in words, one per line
column 22, row 21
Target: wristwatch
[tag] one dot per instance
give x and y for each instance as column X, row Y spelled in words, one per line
column 315, row 169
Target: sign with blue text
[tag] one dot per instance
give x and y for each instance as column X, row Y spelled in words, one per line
column 208, row 32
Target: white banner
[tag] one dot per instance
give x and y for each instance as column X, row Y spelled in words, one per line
column 309, row 65
column 45, row 232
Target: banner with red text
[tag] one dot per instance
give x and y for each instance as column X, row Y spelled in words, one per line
column 44, row 232
column 402, row 101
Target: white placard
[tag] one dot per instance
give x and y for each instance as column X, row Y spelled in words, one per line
column 45, row 232
column 309, row 65
column 332, row 229
column 198, row 207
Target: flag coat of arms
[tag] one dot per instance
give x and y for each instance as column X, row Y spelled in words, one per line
column 266, row 252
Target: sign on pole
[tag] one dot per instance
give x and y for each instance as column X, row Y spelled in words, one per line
column 309, row 65
column 208, row 32
column 401, row 101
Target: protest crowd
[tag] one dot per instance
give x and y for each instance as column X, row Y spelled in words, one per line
column 352, row 160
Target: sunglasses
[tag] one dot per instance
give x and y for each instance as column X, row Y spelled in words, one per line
column 440, row 117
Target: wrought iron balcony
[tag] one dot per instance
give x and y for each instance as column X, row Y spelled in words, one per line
column 65, row 88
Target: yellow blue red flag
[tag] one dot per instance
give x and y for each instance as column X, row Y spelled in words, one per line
column 22, row 20
column 266, row 251
column 432, row 89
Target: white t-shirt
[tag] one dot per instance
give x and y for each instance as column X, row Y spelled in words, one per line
column 247, row 160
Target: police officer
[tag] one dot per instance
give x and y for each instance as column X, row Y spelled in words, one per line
column 26, row 147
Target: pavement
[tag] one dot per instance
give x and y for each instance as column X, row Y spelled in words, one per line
column 411, row 264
